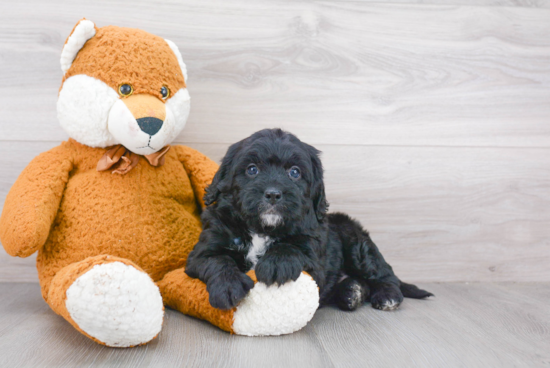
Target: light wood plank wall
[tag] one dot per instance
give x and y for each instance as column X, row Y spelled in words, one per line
column 433, row 116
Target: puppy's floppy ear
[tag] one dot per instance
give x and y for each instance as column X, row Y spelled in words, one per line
column 320, row 204
column 224, row 176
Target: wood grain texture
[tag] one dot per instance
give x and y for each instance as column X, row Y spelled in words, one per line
column 333, row 72
column 483, row 3
column 465, row 325
column 432, row 114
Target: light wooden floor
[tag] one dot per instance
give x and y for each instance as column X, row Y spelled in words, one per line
column 465, row 325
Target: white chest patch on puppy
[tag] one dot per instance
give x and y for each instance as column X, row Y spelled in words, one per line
column 258, row 247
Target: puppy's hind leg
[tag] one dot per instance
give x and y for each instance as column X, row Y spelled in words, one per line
column 385, row 295
column 351, row 293
column 362, row 259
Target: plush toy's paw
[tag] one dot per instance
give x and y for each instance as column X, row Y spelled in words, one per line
column 116, row 304
column 277, row 310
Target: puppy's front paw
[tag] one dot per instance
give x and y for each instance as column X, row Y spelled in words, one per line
column 226, row 291
column 278, row 268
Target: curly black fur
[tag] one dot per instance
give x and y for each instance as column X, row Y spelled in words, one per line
column 334, row 249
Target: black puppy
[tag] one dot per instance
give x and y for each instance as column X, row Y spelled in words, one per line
column 267, row 210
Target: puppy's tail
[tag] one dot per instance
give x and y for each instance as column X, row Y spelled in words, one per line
column 412, row 291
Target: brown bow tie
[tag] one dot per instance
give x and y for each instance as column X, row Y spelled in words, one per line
column 124, row 160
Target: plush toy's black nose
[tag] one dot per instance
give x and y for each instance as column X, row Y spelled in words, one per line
column 150, row 126
column 273, row 195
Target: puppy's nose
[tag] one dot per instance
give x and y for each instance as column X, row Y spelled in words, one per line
column 273, row 195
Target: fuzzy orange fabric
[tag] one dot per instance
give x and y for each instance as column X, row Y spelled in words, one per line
column 117, row 56
column 77, row 217
column 68, row 211
column 190, row 297
column 145, row 106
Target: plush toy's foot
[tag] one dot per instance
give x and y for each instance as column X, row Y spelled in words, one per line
column 109, row 299
column 265, row 311
column 277, row 310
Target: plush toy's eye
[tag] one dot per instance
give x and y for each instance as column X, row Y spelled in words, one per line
column 252, row 170
column 294, row 172
column 165, row 92
column 125, row 90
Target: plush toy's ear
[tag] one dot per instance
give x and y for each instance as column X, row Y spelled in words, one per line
column 176, row 51
column 82, row 32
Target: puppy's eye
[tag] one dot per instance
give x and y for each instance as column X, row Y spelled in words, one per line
column 252, row 170
column 125, row 89
column 165, row 92
column 294, row 172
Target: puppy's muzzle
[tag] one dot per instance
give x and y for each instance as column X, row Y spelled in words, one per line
column 270, row 215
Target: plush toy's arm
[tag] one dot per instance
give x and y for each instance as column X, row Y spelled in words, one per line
column 33, row 201
column 267, row 310
column 201, row 170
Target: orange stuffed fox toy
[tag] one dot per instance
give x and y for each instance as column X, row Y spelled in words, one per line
column 114, row 211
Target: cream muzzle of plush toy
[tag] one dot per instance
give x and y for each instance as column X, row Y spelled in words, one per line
column 94, row 114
